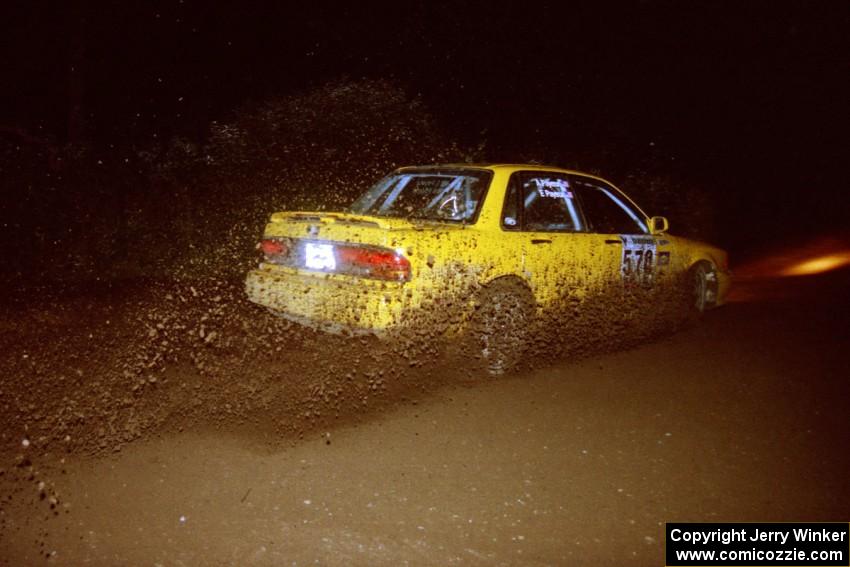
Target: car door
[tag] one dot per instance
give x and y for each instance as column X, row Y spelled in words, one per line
column 636, row 259
column 561, row 260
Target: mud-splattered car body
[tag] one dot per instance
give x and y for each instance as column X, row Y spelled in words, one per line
column 423, row 245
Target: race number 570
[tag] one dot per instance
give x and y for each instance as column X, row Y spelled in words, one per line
column 639, row 264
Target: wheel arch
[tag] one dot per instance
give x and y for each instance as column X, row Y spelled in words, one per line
column 508, row 281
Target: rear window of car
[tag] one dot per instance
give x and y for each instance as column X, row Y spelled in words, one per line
column 443, row 195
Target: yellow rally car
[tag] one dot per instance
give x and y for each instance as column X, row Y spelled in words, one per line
column 502, row 253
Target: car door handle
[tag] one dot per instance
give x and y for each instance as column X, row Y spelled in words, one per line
column 612, row 241
column 541, row 241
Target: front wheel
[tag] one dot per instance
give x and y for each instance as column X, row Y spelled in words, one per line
column 704, row 287
column 501, row 326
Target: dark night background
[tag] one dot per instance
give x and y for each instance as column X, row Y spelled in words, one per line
column 742, row 103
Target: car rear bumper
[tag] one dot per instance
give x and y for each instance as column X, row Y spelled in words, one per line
column 327, row 302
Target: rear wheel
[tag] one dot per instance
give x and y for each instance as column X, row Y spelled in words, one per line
column 501, row 326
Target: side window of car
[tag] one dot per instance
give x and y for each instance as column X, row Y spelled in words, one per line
column 605, row 209
column 541, row 202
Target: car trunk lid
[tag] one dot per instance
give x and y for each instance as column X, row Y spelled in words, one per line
column 338, row 243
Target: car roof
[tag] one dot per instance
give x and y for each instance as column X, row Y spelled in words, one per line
column 508, row 167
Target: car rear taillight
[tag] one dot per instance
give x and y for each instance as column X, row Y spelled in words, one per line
column 275, row 250
column 372, row 262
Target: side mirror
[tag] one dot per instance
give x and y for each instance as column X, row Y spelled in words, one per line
column 658, row 225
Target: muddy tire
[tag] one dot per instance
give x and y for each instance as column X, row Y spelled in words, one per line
column 502, row 325
column 702, row 289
